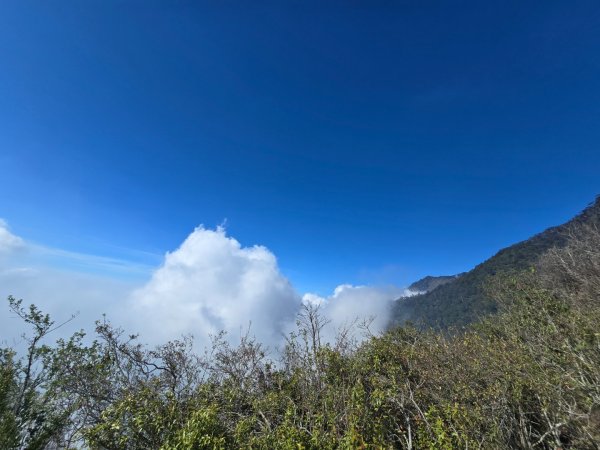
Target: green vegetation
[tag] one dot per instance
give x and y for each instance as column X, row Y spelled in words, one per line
column 465, row 299
column 430, row 283
column 526, row 378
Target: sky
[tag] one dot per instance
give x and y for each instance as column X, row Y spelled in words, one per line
column 336, row 143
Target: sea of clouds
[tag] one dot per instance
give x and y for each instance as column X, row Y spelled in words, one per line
column 211, row 283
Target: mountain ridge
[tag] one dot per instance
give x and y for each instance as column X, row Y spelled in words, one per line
column 429, row 283
column 463, row 300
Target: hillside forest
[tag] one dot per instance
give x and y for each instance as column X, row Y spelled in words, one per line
column 524, row 375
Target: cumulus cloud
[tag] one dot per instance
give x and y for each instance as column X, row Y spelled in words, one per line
column 351, row 304
column 212, row 283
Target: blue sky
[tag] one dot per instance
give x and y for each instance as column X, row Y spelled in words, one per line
column 360, row 142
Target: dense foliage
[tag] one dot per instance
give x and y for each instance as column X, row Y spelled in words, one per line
column 465, row 299
column 429, row 283
column 526, row 378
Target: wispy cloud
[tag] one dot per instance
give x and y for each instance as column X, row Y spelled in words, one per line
column 88, row 263
column 33, row 254
column 62, row 282
column 8, row 241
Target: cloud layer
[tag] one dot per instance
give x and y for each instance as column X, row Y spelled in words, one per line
column 34, row 273
column 211, row 283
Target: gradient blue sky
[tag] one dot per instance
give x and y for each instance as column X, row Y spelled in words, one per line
column 361, row 142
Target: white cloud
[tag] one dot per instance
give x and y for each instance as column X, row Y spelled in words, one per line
column 349, row 304
column 60, row 283
column 61, row 294
column 411, row 293
column 8, row 241
column 212, row 283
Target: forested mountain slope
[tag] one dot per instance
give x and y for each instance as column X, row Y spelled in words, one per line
column 464, row 299
column 429, row 283
column 528, row 377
